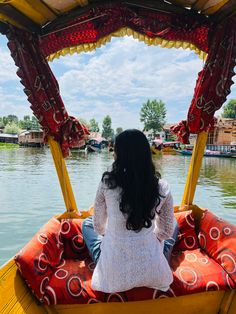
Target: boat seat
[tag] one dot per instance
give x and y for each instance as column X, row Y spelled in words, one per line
column 56, row 265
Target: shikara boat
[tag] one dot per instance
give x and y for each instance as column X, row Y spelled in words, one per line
column 208, row 153
column 52, row 273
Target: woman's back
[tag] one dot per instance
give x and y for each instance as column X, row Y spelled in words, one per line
column 133, row 214
column 131, row 259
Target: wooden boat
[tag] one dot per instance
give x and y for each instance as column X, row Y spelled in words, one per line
column 170, row 147
column 44, row 30
column 207, row 153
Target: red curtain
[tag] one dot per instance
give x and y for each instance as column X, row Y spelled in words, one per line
column 214, row 81
column 42, row 91
column 102, row 21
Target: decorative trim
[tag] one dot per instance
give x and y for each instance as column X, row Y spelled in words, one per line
column 125, row 31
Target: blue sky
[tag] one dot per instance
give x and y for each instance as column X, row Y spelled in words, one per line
column 115, row 79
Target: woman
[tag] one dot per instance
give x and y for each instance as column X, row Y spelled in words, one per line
column 133, row 215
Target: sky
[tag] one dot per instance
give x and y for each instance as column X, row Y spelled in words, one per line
column 114, row 80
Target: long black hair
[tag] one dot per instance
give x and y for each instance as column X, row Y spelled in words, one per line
column 134, row 171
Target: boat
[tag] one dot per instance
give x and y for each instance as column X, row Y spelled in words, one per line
column 171, row 147
column 208, row 153
column 96, row 145
column 46, row 276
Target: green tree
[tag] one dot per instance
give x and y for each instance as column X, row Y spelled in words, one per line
column 119, row 130
column 153, row 114
column 9, row 119
column 25, row 123
column 35, row 123
column 1, row 123
column 229, row 110
column 12, row 128
column 107, row 130
column 93, row 125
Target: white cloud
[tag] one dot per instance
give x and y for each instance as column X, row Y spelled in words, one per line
column 115, row 79
column 123, row 75
column 8, row 69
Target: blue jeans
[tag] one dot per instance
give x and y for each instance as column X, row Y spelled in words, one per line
column 93, row 240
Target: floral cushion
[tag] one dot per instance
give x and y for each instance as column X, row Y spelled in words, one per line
column 187, row 237
column 193, row 272
column 58, row 269
column 38, row 258
column 217, row 238
column 72, row 239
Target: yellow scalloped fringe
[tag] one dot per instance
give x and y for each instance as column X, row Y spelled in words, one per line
column 125, row 31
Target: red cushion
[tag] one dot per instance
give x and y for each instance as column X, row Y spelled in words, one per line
column 38, row 258
column 70, row 280
column 72, row 239
column 218, row 238
column 187, row 238
column 193, row 272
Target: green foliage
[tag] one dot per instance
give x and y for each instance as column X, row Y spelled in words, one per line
column 11, row 121
column 29, row 123
column 153, row 114
column 12, row 128
column 119, row 130
column 229, row 110
column 93, row 125
column 8, row 146
column 8, row 120
column 107, row 130
column 1, row 123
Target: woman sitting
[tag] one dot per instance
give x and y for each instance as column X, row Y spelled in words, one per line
column 133, row 216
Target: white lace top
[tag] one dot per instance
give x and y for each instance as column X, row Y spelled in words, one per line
column 129, row 259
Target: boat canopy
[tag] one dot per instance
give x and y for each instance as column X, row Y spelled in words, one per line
column 40, row 31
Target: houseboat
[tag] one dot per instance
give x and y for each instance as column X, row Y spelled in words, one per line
column 31, row 138
column 8, row 138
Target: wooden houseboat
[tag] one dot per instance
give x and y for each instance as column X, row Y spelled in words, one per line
column 31, row 138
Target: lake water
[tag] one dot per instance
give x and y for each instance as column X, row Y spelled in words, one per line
column 30, row 194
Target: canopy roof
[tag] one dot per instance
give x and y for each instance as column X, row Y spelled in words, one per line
column 50, row 16
column 34, row 14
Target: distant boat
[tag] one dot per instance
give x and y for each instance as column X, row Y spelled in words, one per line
column 96, row 145
column 208, row 153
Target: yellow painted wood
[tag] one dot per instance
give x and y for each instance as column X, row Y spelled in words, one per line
column 203, row 303
column 226, row 303
column 194, row 169
column 15, row 297
column 7, row 19
column 63, row 176
column 232, row 307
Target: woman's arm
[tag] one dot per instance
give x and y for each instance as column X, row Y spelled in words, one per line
column 100, row 211
column 165, row 218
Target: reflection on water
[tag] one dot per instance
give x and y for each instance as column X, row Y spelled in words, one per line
column 30, row 193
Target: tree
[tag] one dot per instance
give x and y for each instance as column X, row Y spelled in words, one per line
column 25, row 123
column 9, row 119
column 12, row 128
column 119, row 130
column 35, row 123
column 1, row 123
column 107, row 131
column 153, row 115
column 229, row 110
column 93, row 126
